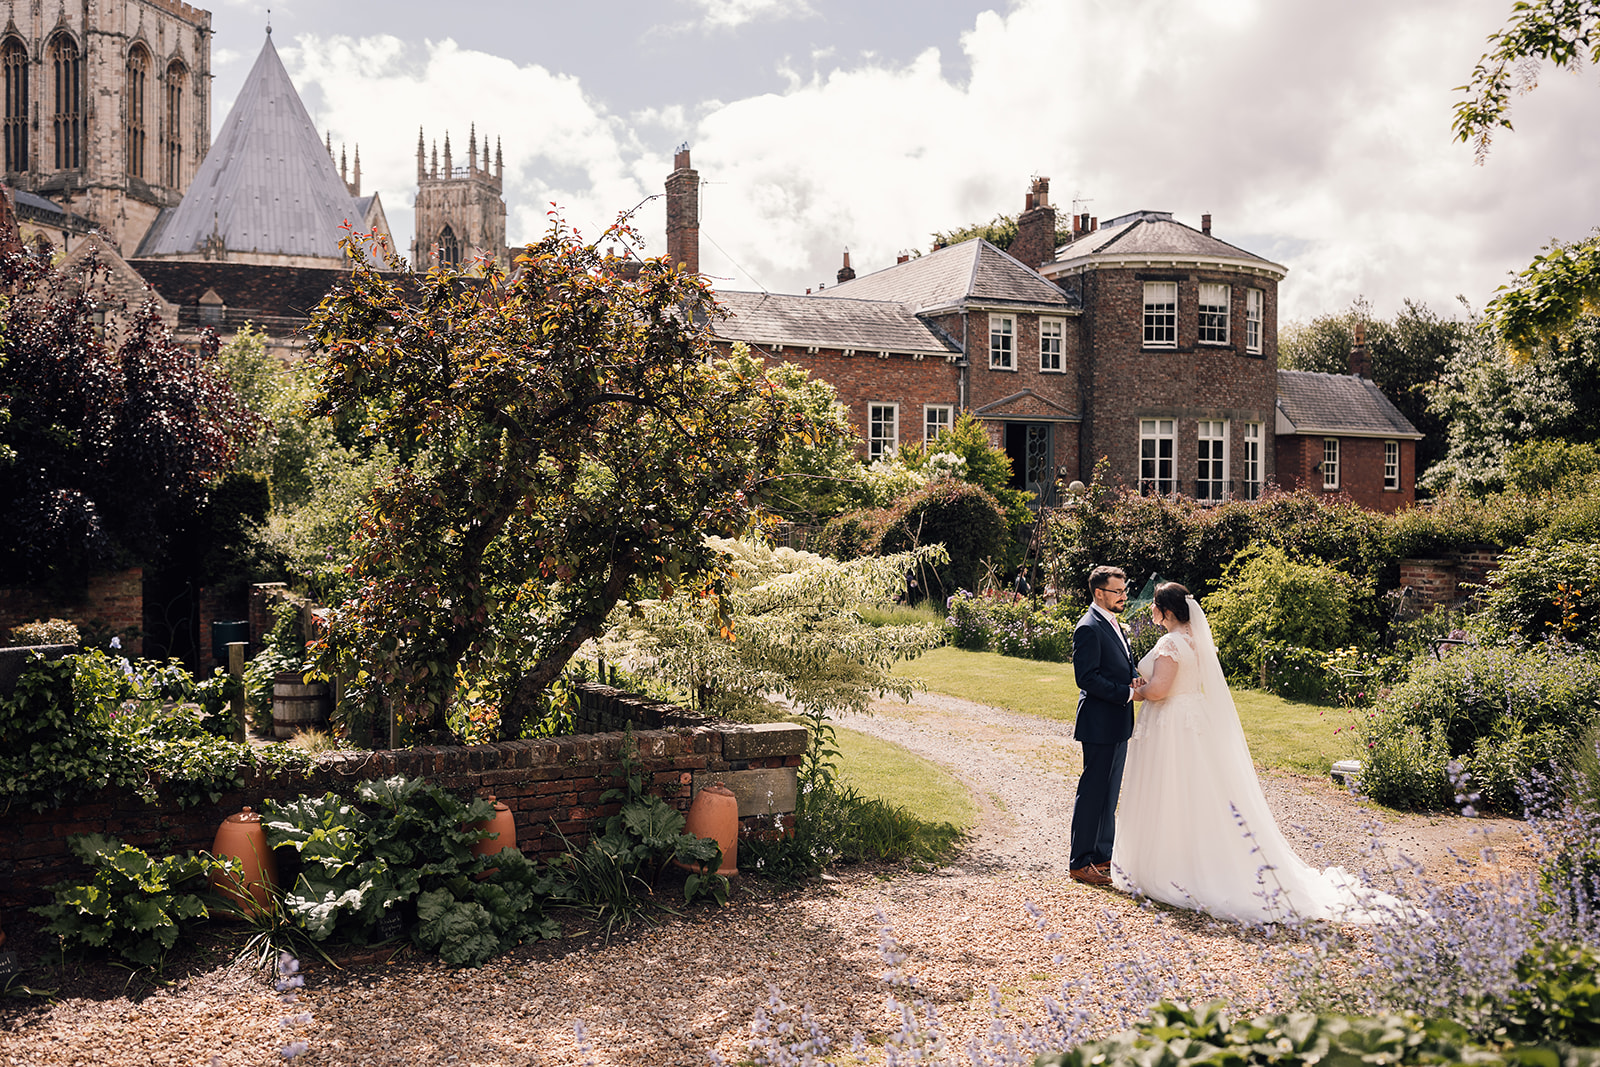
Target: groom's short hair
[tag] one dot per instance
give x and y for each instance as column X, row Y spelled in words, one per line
column 1100, row 577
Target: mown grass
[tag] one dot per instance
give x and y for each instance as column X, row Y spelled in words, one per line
column 893, row 805
column 1283, row 734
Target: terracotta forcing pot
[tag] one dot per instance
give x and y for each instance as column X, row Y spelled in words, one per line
column 503, row 827
column 241, row 837
column 715, row 814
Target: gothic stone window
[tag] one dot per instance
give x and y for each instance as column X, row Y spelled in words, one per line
column 449, row 248
column 1161, row 314
column 172, row 132
column 67, row 118
column 138, row 90
column 14, row 61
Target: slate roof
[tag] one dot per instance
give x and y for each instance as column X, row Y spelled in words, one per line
column 1152, row 233
column 865, row 325
column 970, row 272
column 286, row 292
column 1310, row 402
column 267, row 185
column 36, row 208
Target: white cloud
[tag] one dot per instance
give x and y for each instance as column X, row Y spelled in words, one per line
column 728, row 14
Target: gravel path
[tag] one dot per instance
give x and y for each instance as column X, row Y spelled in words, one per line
column 667, row 994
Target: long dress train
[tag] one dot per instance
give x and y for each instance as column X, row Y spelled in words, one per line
column 1193, row 828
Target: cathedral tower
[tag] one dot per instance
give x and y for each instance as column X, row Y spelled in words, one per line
column 460, row 211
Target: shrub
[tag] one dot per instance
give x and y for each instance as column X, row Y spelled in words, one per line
column 1502, row 710
column 1266, row 597
column 1012, row 627
column 963, row 518
column 852, row 535
column 51, row 632
column 1546, row 589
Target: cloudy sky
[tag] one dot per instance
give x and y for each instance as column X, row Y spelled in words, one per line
column 1315, row 134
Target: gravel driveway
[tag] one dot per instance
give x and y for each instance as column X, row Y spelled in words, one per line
column 667, row 994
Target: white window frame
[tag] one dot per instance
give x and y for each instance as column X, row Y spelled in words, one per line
column 1330, row 463
column 1160, row 315
column 1052, row 345
column 1255, row 302
column 1211, row 454
column 1002, row 342
column 1213, row 317
column 880, row 445
column 1250, row 438
column 1157, row 456
column 936, row 419
column 1391, row 466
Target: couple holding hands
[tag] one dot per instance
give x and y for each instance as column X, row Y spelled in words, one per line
column 1169, row 806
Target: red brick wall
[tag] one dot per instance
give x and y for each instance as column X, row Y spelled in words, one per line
column 1127, row 382
column 550, row 784
column 114, row 601
column 1361, row 473
column 1445, row 581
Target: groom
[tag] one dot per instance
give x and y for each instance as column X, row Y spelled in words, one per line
column 1102, row 661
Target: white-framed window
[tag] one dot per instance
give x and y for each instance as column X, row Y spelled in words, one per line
column 936, row 419
column 1254, row 301
column 1161, row 314
column 1002, row 342
column 1212, row 484
column 1156, row 439
column 1249, row 460
column 1214, row 314
column 1330, row 463
column 1391, row 465
column 1052, row 337
column 883, row 430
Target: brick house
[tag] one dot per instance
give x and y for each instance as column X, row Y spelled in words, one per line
column 1338, row 434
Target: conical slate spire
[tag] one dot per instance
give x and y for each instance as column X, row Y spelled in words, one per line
column 268, row 185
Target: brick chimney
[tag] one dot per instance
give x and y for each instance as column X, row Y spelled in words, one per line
column 1360, row 359
column 846, row 272
column 1205, row 225
column 683, row 213
column 1036, row 227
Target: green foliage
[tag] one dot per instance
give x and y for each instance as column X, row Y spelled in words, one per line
column 1177, row 1036
column 1545, row 466
column 283, row 649
column 1547, row 590
column 965, row 519
column 563, row 439
column 1012, row 627
column 615, row 876
column 48, row 632
column 817, row 474
column 1502, row 711
column 981, row 464
column 791, row 628
column 136, row 906
column 1557, row 996
column 1266, row 597
column 407, row 841
column 999, row 231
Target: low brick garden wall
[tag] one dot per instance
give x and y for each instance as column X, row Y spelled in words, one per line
column 552, row 786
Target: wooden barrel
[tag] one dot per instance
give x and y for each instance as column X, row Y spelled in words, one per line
column 296, row 705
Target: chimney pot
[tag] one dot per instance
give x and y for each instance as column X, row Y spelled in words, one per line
column 1027, row 202
column 846, row 272
column 902, row 257
column 1094, row 223
column 1205, row 225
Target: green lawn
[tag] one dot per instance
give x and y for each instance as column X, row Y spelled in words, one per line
column 1282, row 733
column 884, row 771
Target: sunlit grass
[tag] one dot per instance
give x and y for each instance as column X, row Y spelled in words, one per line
column 884, row 770
column 1282, row 733
column 901, row 614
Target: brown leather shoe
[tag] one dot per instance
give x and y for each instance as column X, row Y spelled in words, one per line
column 1090, row 875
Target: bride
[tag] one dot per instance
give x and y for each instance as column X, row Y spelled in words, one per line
column 1193, row 828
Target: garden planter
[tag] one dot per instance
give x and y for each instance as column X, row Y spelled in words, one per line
column 715, row 814
column 241, row 837
column 297, row 705
column 504, row 828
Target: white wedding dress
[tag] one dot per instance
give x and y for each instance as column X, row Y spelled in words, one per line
column 1193, row 828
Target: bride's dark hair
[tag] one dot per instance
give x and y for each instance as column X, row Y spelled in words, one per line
column 1173, row 599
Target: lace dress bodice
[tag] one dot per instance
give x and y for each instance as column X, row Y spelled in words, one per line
column 1179, row 646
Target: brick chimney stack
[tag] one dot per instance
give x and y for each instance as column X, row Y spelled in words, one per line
column 1205, row 225
column 846, row 272
column 1360, row 358
column 683, row 213
column 1036, row 227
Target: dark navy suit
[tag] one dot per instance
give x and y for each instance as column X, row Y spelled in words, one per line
column 1104, row 671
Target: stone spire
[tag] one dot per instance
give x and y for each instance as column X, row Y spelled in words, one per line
column 449, row 171
column 422, row 170
column 355, row 178
column 472, row 149
column 435, row 171
column 499, row 161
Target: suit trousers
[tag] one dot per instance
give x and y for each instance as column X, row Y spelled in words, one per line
column 1094, row 813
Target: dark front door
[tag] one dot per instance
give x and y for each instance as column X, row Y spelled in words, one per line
column 1028, row 444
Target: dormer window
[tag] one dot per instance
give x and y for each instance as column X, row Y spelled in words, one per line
column 212, row 309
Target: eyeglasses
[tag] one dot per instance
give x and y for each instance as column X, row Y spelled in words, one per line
column 1114, row 592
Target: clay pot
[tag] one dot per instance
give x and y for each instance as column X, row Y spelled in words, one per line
column 504, row 828
column 715, row 814
column 242, row 838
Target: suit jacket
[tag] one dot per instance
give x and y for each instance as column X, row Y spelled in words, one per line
column 1104, row 671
